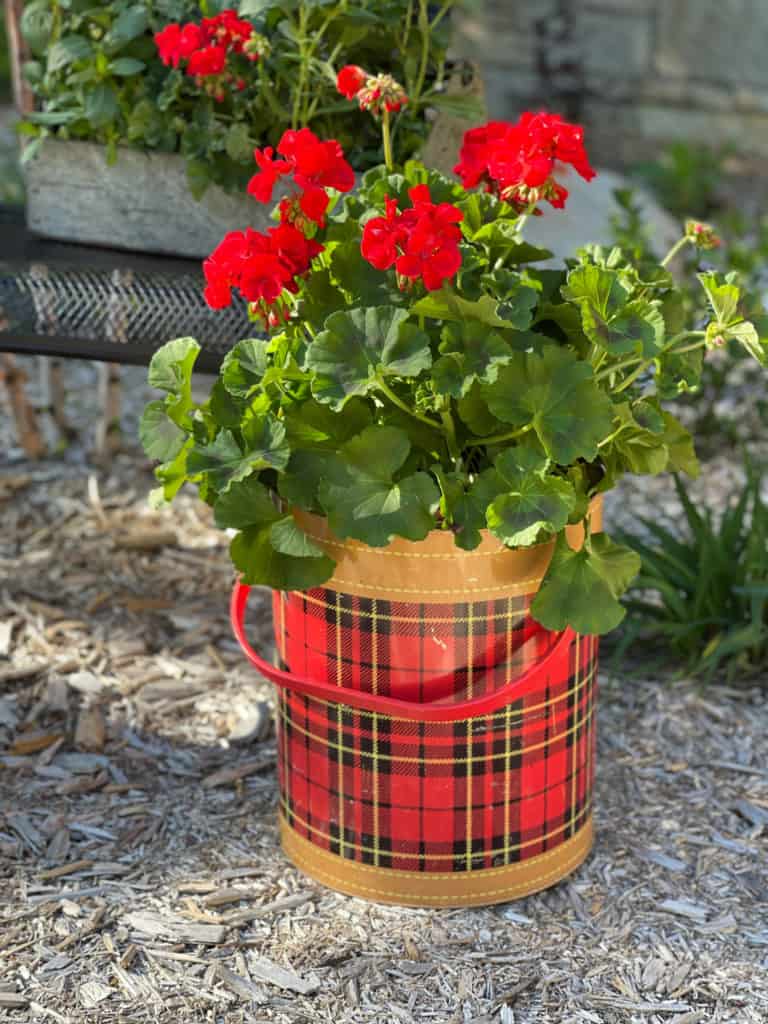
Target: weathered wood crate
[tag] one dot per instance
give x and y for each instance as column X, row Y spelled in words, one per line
column 140, row 202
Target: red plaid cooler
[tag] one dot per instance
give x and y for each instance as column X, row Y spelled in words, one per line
column 436, row 745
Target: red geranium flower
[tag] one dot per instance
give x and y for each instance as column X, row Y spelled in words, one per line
column 262, row 185
column 518, row 161
column 315, row 166
column 210, row 61
column 422, row 243
column 431, row 251
column 316, row 161
column 175, row 43
column 383, row 235
column 350, row 80
column 259, row 265
column 373, row 92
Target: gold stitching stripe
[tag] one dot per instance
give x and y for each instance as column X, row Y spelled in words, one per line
column 389, row 572
column 428, row 889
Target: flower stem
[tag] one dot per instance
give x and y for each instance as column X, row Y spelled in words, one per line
column 498, row 438
column 520, row 222
column 387, row 139
column 396, row 400
column 450, row 430
column 679, row 244
column 615, row 367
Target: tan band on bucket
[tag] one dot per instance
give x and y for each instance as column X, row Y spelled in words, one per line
column 435, row 570
column 437, row 889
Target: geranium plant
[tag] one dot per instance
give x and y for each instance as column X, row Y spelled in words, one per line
column 201, row 78
column 415, row 371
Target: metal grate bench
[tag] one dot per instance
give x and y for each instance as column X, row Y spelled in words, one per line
column 113, row 307
column 87, row 303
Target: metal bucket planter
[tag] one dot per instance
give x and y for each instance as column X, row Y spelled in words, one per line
column 436, row 745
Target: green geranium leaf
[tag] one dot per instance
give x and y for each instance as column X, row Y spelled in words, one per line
column 582, row 588
column 531, row 502
column 464, row 508
column 172, row 475
column 246, row 503
column 289, row 539
column 244, row 366
column 471, row 352
column 746, row 334
column 679, row 372
column 160, row 437
column 68, row 50
column 519, row 297
column 367, row 503
column 363, row 283
column 358, row 345
column 300, row 482
column 723, row 298
column 501, row 240
column 445, row 305
column 554, row 393
column 648, row 415
column 124, row 67
column 254, row 553
column 639, row 327
column 679, row 443
column 600, row 288
column 238, row 142
column 608, row 317
column 170, row 368
column 225, row 463
column 101, row 104
column 474, row 411
column 226, row 410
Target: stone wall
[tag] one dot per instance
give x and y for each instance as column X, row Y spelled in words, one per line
column 635, row 72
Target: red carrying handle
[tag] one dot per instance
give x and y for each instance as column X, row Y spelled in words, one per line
column 391, row 706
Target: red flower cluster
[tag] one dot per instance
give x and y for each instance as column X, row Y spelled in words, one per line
column 373, row 92
column 315, row 165
column 517, row 161
column 421, row 243
column 206, row 48
column 260, row 266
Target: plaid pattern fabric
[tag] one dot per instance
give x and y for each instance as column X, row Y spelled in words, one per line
column 412, row 651
column 432, row 796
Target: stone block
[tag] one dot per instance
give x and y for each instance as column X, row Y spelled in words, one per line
column 714, row 40
column 745, row 132
column 618, row 44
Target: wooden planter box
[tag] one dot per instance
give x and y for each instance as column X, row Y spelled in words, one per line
column 141, row 202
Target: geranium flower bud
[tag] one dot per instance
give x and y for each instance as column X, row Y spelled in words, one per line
column 702, row 235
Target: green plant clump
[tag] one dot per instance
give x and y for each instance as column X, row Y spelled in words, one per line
column 96, row 72
column 704, row 590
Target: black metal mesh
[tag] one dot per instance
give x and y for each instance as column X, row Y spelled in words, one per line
column 120, row 315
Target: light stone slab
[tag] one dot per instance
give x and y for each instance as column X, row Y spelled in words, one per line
column 587, row 217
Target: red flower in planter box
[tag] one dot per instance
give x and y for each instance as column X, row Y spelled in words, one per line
column 206, row 49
